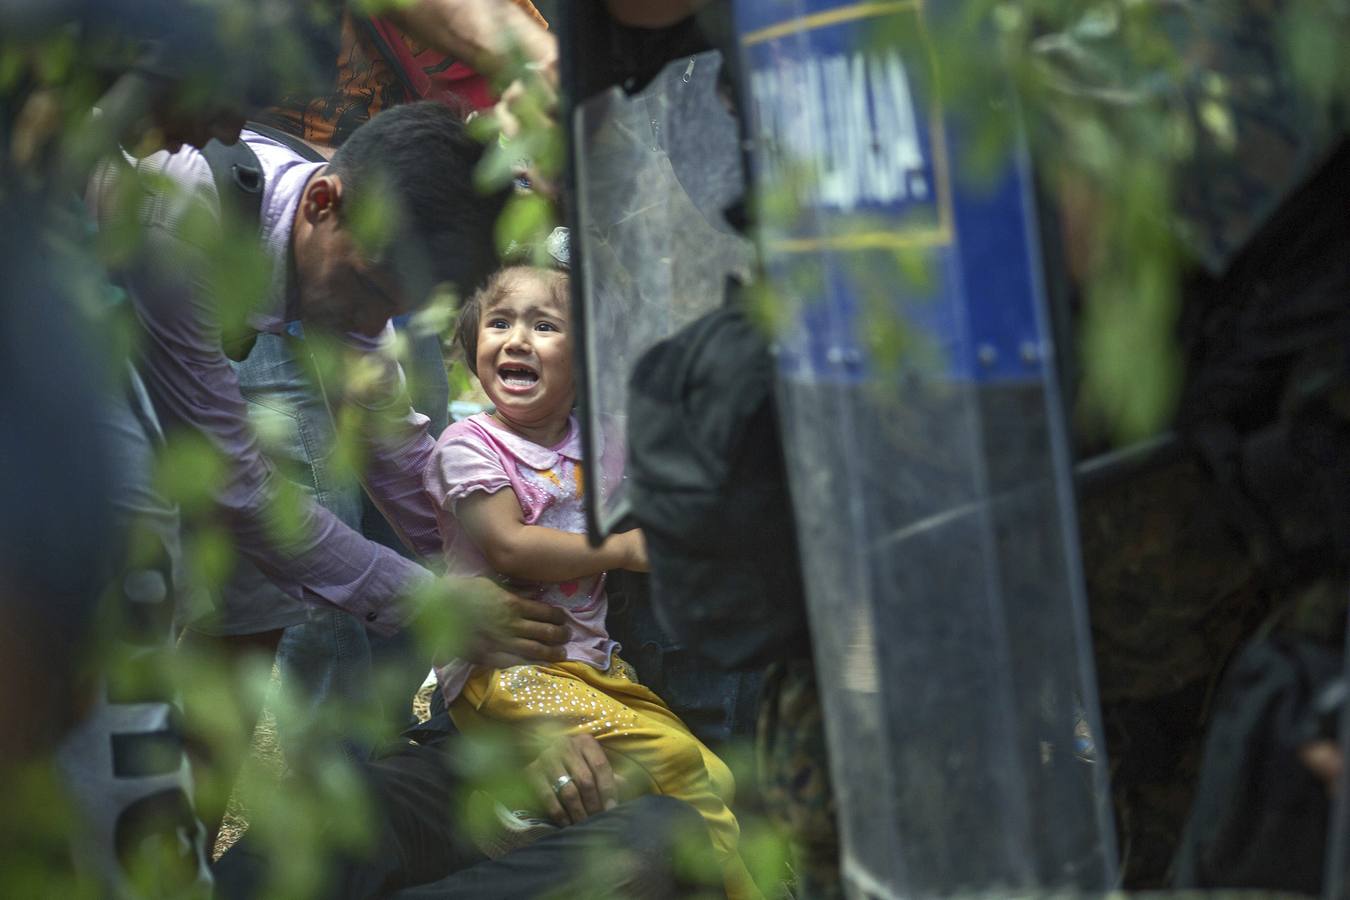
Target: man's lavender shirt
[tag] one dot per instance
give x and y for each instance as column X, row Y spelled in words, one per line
column 193, row 384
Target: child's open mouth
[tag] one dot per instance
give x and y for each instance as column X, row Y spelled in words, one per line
column 517, row 376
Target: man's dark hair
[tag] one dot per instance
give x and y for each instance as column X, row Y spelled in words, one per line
column 501, row 283
column 420, row 158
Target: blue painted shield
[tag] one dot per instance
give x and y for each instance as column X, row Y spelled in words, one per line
column 929, row 466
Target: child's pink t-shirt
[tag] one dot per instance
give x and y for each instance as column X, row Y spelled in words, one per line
column 549, row 482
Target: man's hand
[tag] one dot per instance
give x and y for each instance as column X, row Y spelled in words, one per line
column 588, row 784
column 509, row 629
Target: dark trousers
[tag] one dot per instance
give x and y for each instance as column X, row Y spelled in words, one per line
column 421, row 853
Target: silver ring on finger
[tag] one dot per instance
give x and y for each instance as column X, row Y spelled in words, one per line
column 561, row 782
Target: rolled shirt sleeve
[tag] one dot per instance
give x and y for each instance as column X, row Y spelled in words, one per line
column 398, row 447
column 462, row 465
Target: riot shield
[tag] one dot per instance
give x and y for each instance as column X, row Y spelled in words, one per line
column 654, row 172
column 930, row 470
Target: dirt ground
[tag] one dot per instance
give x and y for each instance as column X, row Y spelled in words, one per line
column 268, row 754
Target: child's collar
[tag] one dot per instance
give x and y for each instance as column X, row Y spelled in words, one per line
column 536, row 456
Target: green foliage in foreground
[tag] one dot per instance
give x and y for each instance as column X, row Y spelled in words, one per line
column 1116, row 107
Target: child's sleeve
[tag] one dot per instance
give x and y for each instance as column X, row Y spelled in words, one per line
column 459, row 467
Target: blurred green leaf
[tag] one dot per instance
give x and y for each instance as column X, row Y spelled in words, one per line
column 12, row 62
column 526, row 221
column 36, row 822
column 379, row 7
column 462, row 382
column 764, row 851
column 438, row 315
column 1313, row 36
column 212, row 555
column 371, row 218
column 189, row 472
column 1219, row 121
column 57, row 58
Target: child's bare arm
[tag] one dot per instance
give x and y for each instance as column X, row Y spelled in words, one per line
column 535, row 553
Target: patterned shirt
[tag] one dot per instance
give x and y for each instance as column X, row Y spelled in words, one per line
column 368, row 81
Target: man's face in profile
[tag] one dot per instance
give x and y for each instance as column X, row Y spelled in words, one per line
column 342, row 290
column 347, row 293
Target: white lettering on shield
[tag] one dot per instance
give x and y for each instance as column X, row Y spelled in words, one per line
column 842, row 128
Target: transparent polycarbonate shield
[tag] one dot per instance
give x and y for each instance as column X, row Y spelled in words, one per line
column 946, row 614
column 929, row 468
column 654, row 173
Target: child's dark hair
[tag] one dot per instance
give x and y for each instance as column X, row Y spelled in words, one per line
column 499, row 284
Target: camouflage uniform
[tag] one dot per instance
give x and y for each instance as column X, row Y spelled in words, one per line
column 1173, row 589
column 795, row 778
column 1171, row 597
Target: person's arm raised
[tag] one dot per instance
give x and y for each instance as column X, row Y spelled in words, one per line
column 482, row 33
column 535, row 553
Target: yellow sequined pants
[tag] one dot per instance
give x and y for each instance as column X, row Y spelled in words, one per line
column 629, row 721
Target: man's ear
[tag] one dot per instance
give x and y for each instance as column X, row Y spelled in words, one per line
column 322, row 198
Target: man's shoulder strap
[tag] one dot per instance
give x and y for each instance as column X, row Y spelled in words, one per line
column 238, row 174
column 297, row 144
column 239, row 178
